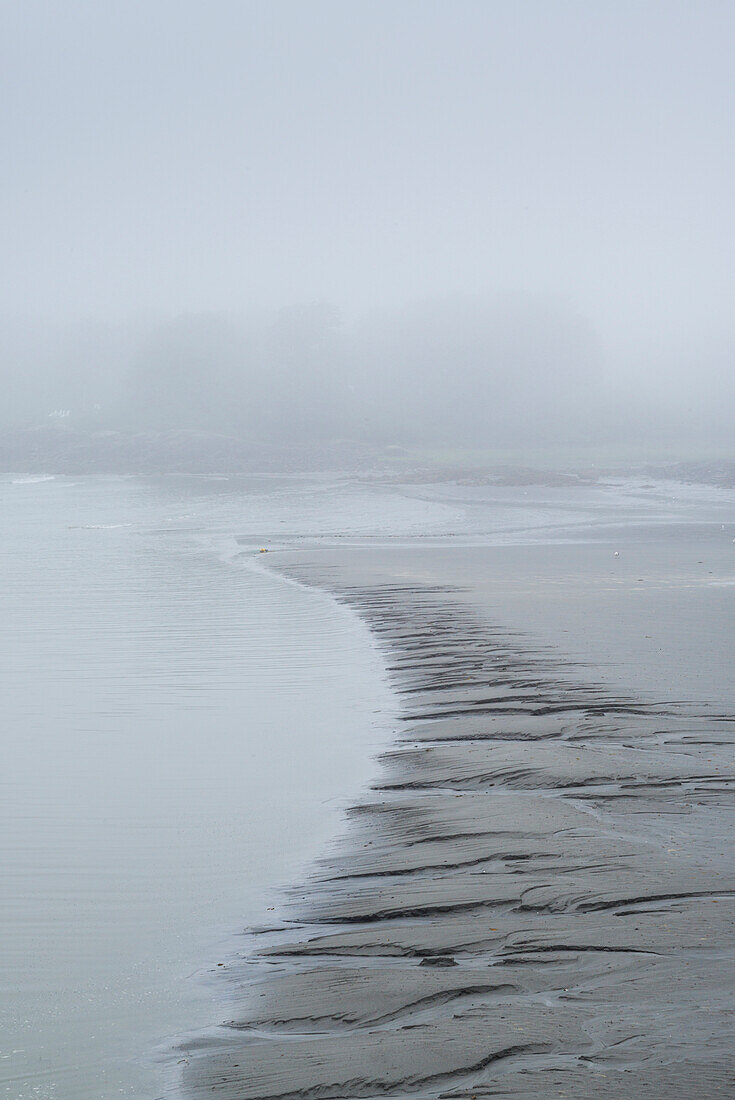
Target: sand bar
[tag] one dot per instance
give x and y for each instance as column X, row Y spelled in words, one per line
column 536, row 898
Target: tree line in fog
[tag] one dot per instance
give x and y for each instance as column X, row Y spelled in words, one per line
column 460, row 372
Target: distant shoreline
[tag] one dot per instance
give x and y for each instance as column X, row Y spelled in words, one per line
column 66, row 451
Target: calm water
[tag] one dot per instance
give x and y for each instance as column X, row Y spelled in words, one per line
column 181, row 727
column 178, row 733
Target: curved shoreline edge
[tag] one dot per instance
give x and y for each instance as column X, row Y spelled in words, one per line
column 536, row 897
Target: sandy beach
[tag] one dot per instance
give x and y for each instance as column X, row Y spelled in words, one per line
column 536, row 897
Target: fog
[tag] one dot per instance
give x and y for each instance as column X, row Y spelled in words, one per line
column 432, row 224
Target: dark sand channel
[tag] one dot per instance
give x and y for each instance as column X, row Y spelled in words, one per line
column 537, row 896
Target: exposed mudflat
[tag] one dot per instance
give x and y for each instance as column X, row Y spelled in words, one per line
column 535, row 899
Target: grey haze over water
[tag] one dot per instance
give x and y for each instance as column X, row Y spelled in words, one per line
column 418, row 223
column 440, row 225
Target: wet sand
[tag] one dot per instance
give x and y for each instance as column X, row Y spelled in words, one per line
column 536, row 898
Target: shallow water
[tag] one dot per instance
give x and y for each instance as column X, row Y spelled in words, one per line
column 179, row 732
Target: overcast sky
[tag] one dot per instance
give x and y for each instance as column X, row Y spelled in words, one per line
column 165, row 156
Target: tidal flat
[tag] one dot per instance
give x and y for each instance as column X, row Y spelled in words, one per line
column 536, row 896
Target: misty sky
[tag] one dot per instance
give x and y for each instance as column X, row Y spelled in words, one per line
column 174, row 156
